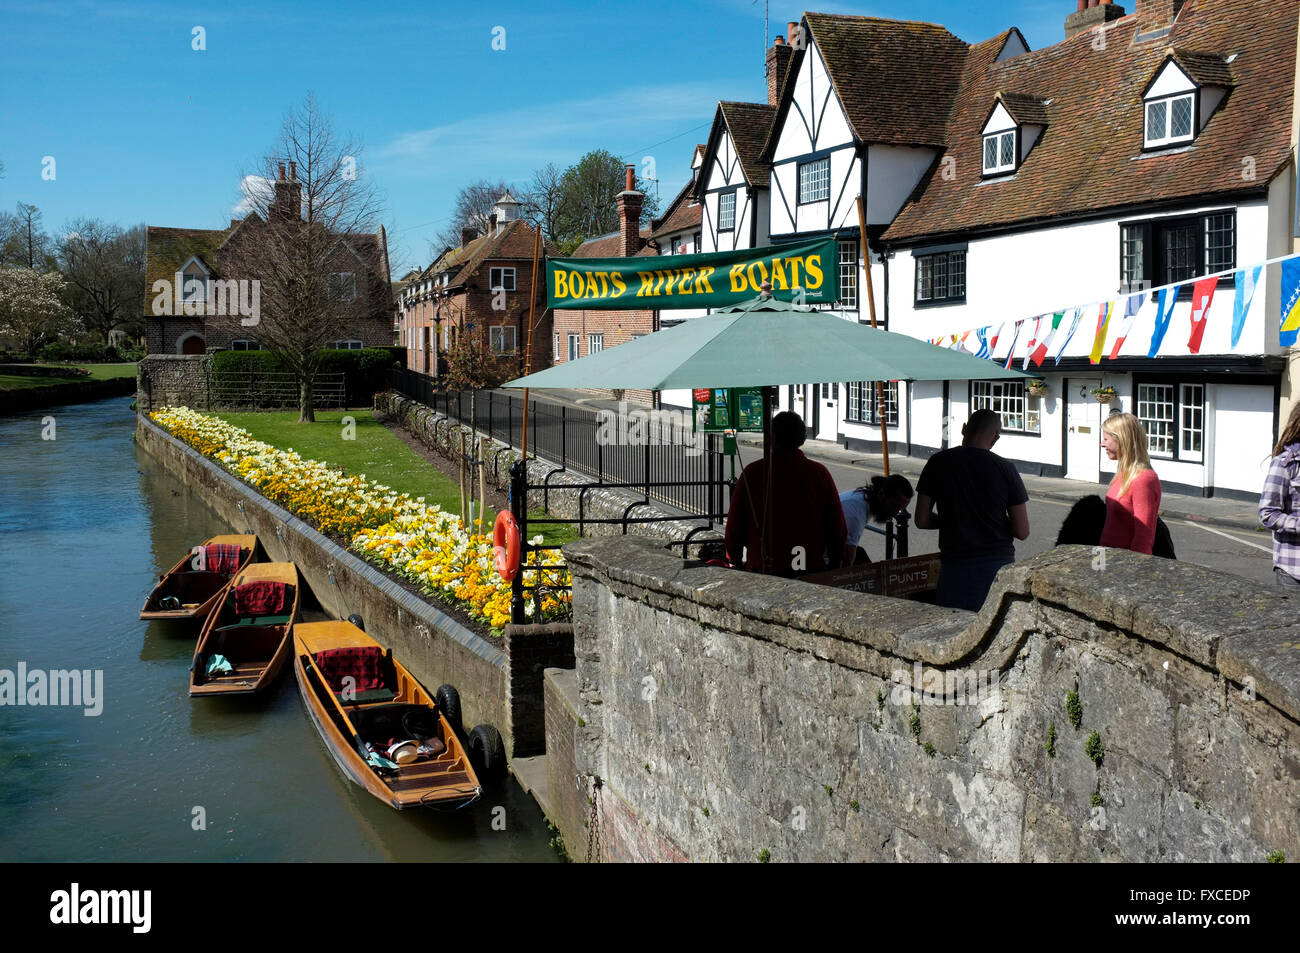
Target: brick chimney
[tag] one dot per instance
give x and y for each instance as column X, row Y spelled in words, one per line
column 778, row 61
column 1091, row 14
column 629, row 214
column 467, row 235
column 1157, row 16
column 287, row 203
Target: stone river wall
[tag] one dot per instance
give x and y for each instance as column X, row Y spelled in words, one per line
column 1139, row 710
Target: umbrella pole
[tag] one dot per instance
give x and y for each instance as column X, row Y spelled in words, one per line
column 769, row 405
column 871, row 304
column 528, row 348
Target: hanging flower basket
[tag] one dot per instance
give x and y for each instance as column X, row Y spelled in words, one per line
column 1038, row 387
column 1104, row 395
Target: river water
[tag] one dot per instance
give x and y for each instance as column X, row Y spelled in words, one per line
column 87, row 522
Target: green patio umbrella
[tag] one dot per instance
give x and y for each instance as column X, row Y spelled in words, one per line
column 765, row 343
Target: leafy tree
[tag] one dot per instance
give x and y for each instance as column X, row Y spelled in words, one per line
column 32, row 311
column 103, row 267
column 297, row 240
column 588, row 202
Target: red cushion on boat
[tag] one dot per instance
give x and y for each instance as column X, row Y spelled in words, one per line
column 265, row 597
column 364, row 663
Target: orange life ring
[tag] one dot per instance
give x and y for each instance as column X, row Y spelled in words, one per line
column 505, row 545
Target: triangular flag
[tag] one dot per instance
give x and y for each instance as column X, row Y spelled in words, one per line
column 1040, row 352
column 1074, row 326
column 993, row 342
column 1033, row 343
column 960, row 343
column 1103, row 323
column 1131, row 309
column 1164, row 315
column 1247, row 280
column 1290, row 303
column 1202, row 296
column 1012, row 352
column 982, row 335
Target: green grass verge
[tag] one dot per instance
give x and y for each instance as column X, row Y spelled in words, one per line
column 376, row 451
column 33, row 382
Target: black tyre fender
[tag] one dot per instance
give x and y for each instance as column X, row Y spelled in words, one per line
column 448, row 701
column 357, row 621
column 487, row 752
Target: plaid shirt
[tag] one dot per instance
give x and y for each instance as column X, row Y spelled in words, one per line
column 1278, row 509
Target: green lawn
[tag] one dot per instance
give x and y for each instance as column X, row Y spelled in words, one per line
column 104, row 372
column 31, row 381
column 376, row 451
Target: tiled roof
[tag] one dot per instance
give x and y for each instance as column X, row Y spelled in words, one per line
column 895, row 78
column 605, row 246
column 749, row 124
column 683, row 213
column 514, row 242
column 1205, row 69
column 1090, row 158
column 1025, row 110
column 168, row 249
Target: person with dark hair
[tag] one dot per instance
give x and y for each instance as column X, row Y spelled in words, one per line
column 981, row 507
column 785, row 517
column 882, row 498
column 1279, row 504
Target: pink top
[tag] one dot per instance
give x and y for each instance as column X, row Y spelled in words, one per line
column 1131, row 518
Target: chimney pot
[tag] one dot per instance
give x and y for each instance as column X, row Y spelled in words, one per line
column 630, row 185
column 1091, row 15
column 293, row 171
column 791, row 31
column 281, row 171
column 779, row 41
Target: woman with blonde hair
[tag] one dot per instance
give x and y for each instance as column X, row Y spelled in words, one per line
column 1133, row 500
column 1279, row 504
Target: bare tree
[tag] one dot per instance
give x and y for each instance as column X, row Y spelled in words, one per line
column 472, row 210
column 23, row 240
column 543, row 199
column 310, row 230
column 103, row 265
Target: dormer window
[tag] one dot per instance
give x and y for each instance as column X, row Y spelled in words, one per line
column 1182, row 96
column 1000, row 153
column 1169, row 120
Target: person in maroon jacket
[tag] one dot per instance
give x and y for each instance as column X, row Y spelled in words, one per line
column 785, row 517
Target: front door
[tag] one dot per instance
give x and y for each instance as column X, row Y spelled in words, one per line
column 828, row 411
column 1082, row 430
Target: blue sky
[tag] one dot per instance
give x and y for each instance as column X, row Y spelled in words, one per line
column 145, row 129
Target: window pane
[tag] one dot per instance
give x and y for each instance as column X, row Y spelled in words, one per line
column 815, row 181
column 1008, row 156
column 1192, row 403
column 940, row 276
column 1181, row 252
column 1132, row 255
column 1156, row 114
column 849, row 274
column 990, row 153
column 957, row 274
column 1220, row 242
column 925, row 278
column 1007, row 400
column 1180, row 119
column 1155, row 409
column 727, row 210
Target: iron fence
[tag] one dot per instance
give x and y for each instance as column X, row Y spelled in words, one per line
column 257, row 389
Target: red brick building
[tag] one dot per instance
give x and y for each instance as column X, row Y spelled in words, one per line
column 480, row 288
column 199, row 312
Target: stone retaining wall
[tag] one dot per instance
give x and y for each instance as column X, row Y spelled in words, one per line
column 739, row 717
column 172, row 380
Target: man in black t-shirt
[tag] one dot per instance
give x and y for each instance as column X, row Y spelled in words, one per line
column 982, row 505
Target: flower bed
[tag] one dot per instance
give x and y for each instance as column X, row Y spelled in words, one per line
column 396, row 532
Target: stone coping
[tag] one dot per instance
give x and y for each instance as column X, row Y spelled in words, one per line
column 1234, row 628
column 424, row 611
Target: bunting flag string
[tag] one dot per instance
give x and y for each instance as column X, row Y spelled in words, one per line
column 1011, row 353
column 1075, row 321
column 1033, row 343
column 1202, row 296
column 1103, row 324
column 1040, row 352
column 1247, row 280
column 1131, row 309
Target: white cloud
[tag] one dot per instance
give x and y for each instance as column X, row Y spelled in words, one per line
column 253, row 188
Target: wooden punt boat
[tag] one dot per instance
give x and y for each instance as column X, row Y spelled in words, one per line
column 254, row 646
column 382, row 704
column 194, row 591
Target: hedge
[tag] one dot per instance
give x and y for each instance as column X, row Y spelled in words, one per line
column 365, row 371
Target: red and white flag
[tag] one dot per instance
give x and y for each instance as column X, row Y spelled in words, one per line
column 1032, row 346
column 1131, row 309
column 1202, row 296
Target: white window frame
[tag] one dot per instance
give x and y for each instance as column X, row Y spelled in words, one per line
column 1163, row 136
column 556, row 353
column 497, row 276
column 861, row 403
column 342, row 281
column 998, row 138
column 1156, row 408
column 595, row 343
column 498, row 339
column 1020, row 412
column 848, row 291
column 574, row 353
column 814, row 178
column 1191, row 422
column 727, row 211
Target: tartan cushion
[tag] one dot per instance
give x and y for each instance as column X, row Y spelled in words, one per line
column 364, row 663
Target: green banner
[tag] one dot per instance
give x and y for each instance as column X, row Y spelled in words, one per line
column 714, row 280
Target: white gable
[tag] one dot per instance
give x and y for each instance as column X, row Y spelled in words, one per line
column 815, row 119
column 1000, row 121
column 1170, row 81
